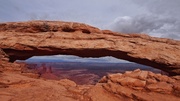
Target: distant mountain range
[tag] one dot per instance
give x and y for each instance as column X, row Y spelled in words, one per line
column 94, row 66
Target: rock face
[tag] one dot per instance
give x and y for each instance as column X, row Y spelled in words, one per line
column 142, row 86
column 139, row 86
column 25, row 39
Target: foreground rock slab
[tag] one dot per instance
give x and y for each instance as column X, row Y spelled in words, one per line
column 22, row 40
column 152, row 87
column 140, row 86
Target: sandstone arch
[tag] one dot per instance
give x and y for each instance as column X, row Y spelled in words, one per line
column 25, row 39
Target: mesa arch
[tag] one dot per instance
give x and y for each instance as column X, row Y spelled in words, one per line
column 22, row 40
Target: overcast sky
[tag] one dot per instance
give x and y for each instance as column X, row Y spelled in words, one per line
column 160, row 18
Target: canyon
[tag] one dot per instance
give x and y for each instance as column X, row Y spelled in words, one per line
column 22, row 40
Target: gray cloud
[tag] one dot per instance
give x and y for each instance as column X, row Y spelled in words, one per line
column 138, row 24
column 161, row 19
column 161, row 7
column 94, row 12
column 154, row 25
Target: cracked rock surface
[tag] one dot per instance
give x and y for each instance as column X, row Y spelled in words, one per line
column 114, row 87
column 22, row 40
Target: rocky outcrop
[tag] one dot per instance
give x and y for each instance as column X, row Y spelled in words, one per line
column 22, row 40
column 131, row 86
column 5, row 65
column 142, row 86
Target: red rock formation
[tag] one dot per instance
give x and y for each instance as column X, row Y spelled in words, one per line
column 131, row 86
column 6, row 65
column 142, row 86
column 25, row 39
column 46, row 72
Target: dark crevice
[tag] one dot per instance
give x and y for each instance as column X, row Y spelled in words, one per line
column 86, row 31
column 68, row 29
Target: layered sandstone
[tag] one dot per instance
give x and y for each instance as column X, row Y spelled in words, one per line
column 142, row 86
column 25, row 39
column 131, row 86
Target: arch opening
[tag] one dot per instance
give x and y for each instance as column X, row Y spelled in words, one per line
column 81, row 70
